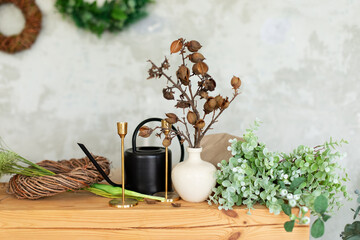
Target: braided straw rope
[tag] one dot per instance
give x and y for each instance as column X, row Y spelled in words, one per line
column 71, row 174
column 27, row 37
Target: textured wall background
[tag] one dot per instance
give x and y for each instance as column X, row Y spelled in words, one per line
column 299, row 62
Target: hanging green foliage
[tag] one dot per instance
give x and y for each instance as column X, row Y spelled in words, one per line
column 112, row 16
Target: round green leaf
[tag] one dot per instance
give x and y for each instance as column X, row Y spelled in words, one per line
column 226, row 183
column 286, row 208
column 289, row 225
column 321, row 204
column 318, row 228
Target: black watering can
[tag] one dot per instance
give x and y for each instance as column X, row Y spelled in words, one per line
column 144, row 166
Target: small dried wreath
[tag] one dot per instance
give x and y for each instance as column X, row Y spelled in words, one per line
column 27, row 37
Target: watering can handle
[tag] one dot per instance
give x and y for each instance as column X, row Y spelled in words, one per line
column 155, row 120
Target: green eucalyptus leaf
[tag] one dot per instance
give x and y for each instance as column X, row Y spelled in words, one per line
column 226, row 183
column 357, row 212
column 286, row 208
column 296, row 183
column 321, row 204
column 314, row 167
column 289, row 225
column 325, row 217
column 297, row 191
column 357, row 237
column 318, row 228
column 351, row 230
column 302, row 185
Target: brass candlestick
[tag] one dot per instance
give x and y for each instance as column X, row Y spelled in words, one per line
column 169, row 196
column 124, row 202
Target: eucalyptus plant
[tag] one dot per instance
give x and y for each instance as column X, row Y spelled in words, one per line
column 352, row 231
column 308, row 179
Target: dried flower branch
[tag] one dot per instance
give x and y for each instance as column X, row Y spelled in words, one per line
column 188, row 99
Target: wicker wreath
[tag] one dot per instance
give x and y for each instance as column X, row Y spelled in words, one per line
column 27, row 37
column 70, row 174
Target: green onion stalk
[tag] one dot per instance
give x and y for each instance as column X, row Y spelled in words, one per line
column 109, row 191
column 13, row 163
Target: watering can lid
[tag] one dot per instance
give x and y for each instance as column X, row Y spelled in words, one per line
column 147, row 150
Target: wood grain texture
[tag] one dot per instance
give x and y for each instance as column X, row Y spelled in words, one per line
column 82, row 215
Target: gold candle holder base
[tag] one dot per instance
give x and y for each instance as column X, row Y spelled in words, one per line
column 171, row 196
column 118, row 203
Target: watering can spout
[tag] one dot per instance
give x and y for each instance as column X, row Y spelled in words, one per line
column 97, row 166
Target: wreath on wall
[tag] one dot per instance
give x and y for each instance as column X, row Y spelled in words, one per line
column 112, row 16
column 27, row 37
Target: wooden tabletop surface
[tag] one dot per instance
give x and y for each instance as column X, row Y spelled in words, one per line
column 80, row 215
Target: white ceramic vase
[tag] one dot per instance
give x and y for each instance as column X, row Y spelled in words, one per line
column 194, row 178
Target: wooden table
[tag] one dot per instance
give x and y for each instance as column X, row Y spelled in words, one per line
column 82, row 215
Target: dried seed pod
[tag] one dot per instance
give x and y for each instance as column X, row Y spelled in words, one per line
column 171, row 115
column 166, row 142
column 183, row 74
column 145, row 131
column 200, row 68
column 225, row 104
column 200, row 124
column 168, row 94
column 193, row 46
column 176, row 45
column 171, row 118
column 210, row 84
column 209, row 105
column 219, row 101
column 165, row 64
column 212, row 102
column 191, row 117
column 182, row 104
column 203, row 94
column 196, row 57
column 235, row 82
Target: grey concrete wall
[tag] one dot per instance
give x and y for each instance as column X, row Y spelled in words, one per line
column 299, row 62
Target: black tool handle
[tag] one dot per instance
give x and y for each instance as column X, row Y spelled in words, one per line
column 155, row 120
column 88, row 154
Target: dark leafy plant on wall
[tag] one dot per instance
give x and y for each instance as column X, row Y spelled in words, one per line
column 308, row 179
column 112, row 16
column 352, row 231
